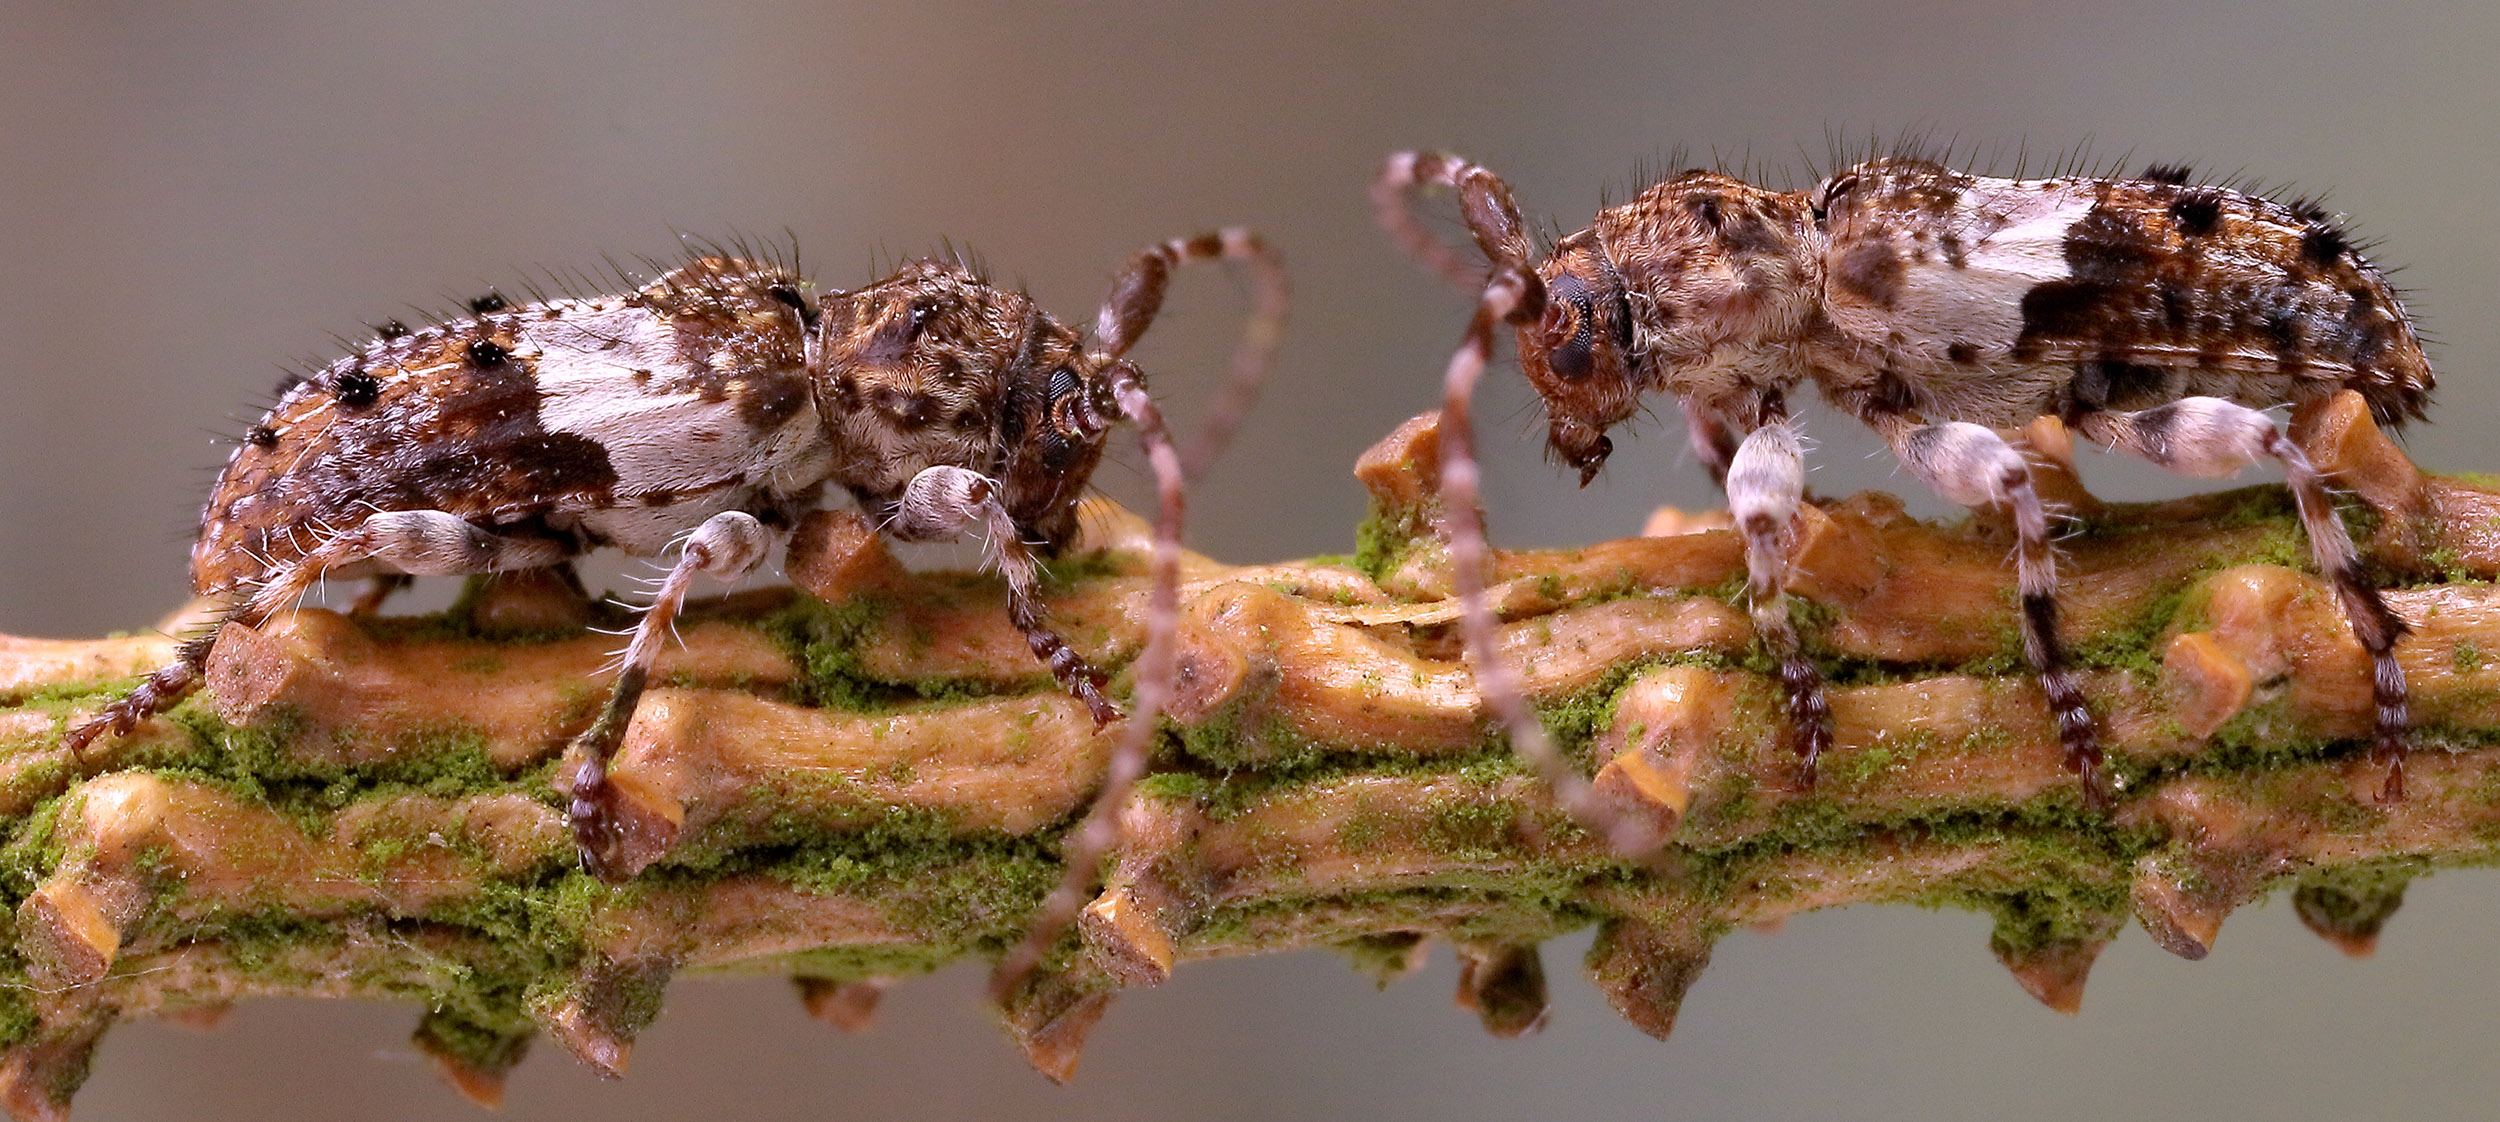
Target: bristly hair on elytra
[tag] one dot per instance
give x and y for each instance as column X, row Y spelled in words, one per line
column 2153, row 314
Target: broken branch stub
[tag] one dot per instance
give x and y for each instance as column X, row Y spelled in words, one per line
column 868, row 776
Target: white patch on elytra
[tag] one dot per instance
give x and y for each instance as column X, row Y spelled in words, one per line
column 704, row 454
column 1980, row 302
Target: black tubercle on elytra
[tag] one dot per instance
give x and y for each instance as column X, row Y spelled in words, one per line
column 390, row 329
column 2197, row 213
column 2322, row 244
column 2174, row 174
column 486, row 353
column 492, row 301
column 355, row 388
column 261, row 436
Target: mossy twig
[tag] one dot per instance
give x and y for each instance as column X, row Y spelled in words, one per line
column 867, row 776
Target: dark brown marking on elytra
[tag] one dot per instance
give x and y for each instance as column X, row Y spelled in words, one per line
column 766, row 402
column 2108, row 245
column 2282, row 331
column 1962, row 353
column 1954, row 253
column 2178, row 305
column 2066, row 310
column 1870, row 270
column 542, row 463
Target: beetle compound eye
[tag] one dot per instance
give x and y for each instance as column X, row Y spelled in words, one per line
column 1570, row 341
column 1063, row 382
column 1074, row 423
column 1574, row 356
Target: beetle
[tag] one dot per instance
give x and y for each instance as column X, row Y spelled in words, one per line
column 2154, row 315
column 706, row 411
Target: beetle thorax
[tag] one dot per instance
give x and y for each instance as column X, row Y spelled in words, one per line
column 933, row 367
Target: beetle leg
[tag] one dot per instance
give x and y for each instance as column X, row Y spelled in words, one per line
column 2207, row 436
column 729, row 545
column 1974, row 466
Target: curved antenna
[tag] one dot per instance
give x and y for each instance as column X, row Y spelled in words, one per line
column 1484, row 201
column 1512, row 296
column 1094, row 837
column 1137, row 294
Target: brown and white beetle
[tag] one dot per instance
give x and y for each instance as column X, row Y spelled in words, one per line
column 707, row 410
column 2154, row 315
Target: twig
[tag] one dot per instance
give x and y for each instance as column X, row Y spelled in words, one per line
column 869, row 778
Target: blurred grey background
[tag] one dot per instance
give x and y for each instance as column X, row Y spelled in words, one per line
column 193, row 196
